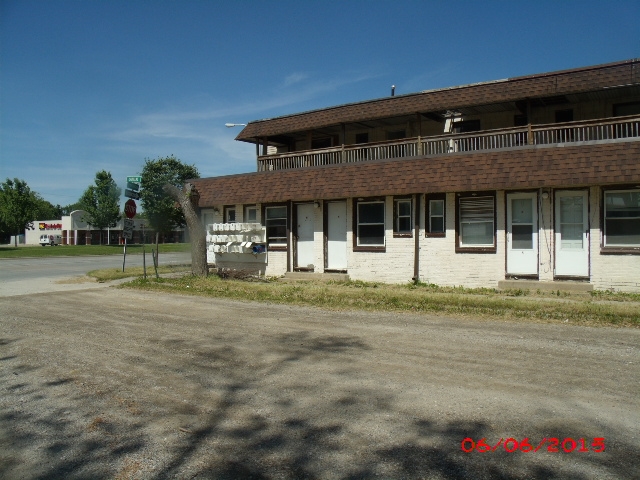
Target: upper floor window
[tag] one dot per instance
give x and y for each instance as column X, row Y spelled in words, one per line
column 465, row 126
column 362, row 137
column 622, row 218
column 520, row 120
column 476, row 223
column 563, row 116
column 622, row 109
column 396, row 135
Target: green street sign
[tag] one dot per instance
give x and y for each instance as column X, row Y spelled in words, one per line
column 134, row 179
column 133, row 186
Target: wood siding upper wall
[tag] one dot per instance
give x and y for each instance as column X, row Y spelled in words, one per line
column 528, row 167
column 513, row 89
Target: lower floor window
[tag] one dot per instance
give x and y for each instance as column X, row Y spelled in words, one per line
column 622, row 218
column 276, row 225
column 476, row 221
column 402, row 223
column 370, row 223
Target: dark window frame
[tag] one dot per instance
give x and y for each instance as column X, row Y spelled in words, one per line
column 277, row 247
column 481, row 248
column 467, row 126
column 617, row 106
column 427, row 218
column 368, row 248
column 396, row 216
column 614, row 249
column 226, row 210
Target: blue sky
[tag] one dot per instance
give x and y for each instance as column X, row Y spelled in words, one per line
column 104, row 84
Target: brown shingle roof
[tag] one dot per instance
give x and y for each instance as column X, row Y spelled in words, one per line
column 528, row 167
column 519, row 88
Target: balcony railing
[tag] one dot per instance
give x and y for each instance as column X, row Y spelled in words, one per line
column 571, row 132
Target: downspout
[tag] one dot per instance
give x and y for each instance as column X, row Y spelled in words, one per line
column 416, row 234
column 289, row 230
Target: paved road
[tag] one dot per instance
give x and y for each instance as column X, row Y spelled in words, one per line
column 114, row 383
column 38, row 275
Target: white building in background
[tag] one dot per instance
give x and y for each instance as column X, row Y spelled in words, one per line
column 75, row 231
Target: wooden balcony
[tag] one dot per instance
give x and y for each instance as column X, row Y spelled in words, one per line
column 609, row 129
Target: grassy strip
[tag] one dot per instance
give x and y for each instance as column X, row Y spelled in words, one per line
column 402, row 298
column 109, row 274
column 84, row 250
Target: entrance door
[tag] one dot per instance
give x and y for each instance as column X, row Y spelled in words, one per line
column 522, row 234
column 304, row 236
column 336, row 236
column 572, row 234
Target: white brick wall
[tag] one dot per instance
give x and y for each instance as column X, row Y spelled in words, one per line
column 439, row 262
column 609, row 272
column 441, row 265
column 395, row 265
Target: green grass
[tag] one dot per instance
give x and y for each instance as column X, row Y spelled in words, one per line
column 485, row 303
column 83, row 250
column 109, row 274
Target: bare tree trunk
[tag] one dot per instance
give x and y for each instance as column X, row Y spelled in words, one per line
column 188, row 199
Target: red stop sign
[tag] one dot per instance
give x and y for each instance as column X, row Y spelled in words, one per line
column 130, row 208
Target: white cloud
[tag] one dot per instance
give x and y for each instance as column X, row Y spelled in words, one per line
column 294, row 78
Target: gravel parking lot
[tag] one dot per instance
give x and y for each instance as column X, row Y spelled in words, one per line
column 112, row 383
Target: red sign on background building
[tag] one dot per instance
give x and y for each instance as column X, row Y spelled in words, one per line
column 49, row 226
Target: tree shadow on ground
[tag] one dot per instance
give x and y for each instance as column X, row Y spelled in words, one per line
column 273, row 414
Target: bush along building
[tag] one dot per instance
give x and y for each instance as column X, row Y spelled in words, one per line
column 531, row 180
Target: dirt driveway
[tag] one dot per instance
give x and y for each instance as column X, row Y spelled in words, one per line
column 124, row 384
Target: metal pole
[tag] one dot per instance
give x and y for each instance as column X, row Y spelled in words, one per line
column 124, row 257
column 144, row 255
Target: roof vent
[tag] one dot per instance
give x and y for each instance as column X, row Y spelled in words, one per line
column 393, row 90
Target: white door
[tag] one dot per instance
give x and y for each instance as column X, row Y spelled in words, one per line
column 522, row 234
column 304, row 236
column 572, row 233
column 337, row 236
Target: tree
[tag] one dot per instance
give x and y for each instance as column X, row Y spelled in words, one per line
column 67, row 209
column 47, row 211
column 160, row 209
column 102, row 202
column 188, row 198
column 18, row 207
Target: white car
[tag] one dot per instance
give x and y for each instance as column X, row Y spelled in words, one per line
column 52, row 240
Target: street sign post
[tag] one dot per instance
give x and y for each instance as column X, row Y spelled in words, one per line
column 127, row 234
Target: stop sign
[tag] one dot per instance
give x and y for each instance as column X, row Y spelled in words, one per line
column 130, row 208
